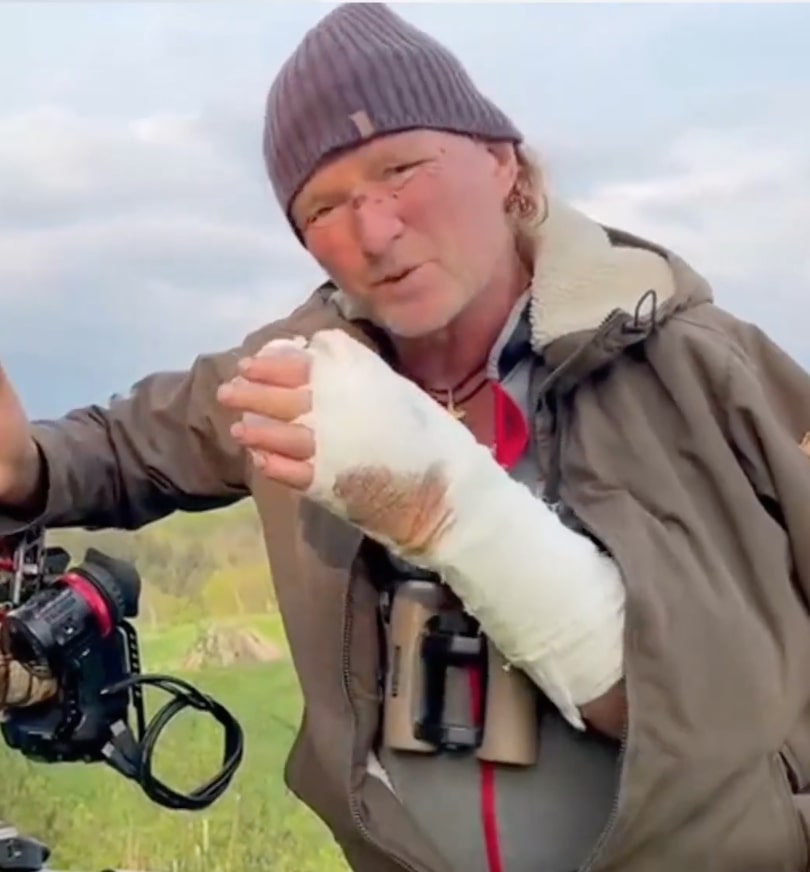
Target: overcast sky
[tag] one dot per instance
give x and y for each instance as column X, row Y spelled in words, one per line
column 137, row 228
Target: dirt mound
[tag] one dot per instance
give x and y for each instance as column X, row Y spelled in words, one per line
column 226, row 646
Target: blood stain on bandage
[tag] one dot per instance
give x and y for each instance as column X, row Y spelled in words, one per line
column 409, row 509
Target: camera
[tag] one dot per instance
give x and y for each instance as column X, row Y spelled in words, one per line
column 75, row 628
column 72, row 624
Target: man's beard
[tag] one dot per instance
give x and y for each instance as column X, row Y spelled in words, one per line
column 405, row 325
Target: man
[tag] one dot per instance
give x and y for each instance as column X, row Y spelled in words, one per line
column 618, row 497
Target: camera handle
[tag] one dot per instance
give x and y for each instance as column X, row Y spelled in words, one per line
column 21, row 853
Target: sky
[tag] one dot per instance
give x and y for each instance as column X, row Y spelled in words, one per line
column 138, row 229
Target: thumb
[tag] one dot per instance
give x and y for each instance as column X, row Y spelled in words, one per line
column 11, row 410
column 6, row 387
column 14, row 426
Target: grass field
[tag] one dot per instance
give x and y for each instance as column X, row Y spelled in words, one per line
column 164, row 649
column 95, row 819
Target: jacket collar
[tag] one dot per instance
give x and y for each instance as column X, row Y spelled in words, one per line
column 581, row 276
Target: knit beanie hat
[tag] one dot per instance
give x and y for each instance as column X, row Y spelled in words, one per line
column 360, row 72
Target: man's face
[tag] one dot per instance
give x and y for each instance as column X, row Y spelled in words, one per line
column 411, row 225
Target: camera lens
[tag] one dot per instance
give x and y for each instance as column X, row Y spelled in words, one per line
column 40, row 631
column 86, row 603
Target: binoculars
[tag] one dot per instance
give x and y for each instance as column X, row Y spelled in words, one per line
column 428, row 636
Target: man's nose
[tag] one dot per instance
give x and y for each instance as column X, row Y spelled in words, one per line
column 378, row 225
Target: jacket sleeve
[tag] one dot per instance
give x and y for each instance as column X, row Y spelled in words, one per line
column 768, row 407
column 166, row 446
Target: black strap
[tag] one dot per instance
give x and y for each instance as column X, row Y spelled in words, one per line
column 386, row 570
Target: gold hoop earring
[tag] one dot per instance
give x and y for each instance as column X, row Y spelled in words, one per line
column 522, row 206
column 518, row 204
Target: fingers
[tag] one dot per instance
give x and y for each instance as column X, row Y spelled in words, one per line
column 276, row 389
column 279, row 450
column 267, row 400
column 276, row 437
column 287, row 367
column 293, row 473
column 274, row 386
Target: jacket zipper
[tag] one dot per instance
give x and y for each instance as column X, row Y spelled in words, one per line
column 614, row 317
column 589, row 863
column 614, row 809
column 348, row 612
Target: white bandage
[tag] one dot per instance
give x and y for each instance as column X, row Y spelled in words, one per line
column 389, row 459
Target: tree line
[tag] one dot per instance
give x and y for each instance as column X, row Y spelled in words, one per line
column 193, row 566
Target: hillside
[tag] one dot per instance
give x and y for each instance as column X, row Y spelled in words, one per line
column 193, row 566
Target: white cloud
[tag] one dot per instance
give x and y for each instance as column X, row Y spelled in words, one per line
column 175, row 249
column 734, row 204
column 54, row 161
column 129, row 244
column 136, row 218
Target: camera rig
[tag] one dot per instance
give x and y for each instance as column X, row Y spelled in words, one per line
column 72, row 624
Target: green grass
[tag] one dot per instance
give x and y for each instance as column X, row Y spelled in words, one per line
column 93, row 818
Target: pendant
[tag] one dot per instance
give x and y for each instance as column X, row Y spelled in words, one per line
column 455, row 411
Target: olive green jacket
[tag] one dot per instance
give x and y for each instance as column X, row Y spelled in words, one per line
column 668, row 429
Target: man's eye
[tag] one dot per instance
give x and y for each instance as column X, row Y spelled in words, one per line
column 400, row 169
column 318, row 214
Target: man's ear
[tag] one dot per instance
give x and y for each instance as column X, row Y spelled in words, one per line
column 507, row 166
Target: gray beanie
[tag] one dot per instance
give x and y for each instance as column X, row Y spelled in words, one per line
column 363, row 71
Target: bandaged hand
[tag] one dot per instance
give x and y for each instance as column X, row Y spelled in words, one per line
column 374, row 449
